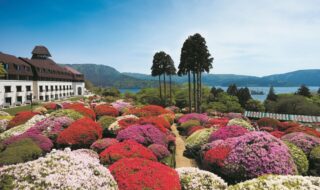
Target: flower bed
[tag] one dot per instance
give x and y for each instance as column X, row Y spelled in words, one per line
column 227, row 132
column 21, row 118
column 103, row 109
column 194, row 116
column 67, row 113
column 242, row 123
column 138, row 173
column 304, row 141
column 149, row 110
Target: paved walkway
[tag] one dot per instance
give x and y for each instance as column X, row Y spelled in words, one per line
column 181, row 161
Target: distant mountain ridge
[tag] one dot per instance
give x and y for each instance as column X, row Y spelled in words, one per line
column 106, row 76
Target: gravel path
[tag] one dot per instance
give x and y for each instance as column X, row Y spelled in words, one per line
column 181, row 161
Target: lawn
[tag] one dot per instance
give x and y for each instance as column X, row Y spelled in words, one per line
column 13, row 111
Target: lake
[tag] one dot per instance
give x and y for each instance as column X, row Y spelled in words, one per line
column 265, row 90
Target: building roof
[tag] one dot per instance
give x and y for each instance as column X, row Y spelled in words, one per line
column 15, row 65
column 72, row 70
column 41, row 50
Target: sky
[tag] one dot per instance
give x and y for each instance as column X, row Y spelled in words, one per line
column 248, row 37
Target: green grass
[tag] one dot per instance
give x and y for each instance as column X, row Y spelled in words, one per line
column 13, row 111
column 76, row 98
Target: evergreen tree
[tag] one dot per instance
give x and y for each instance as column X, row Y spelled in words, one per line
column 272, row 95
column 232, row 90
column 243, row 96
column 319, row 91
column 304, row 91
column 171, row 70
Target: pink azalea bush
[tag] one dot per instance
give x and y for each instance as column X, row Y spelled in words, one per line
column 304, row 141
column 227, row 132
column 193, row 116
column 159, row 150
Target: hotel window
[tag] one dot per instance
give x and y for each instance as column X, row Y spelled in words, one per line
column 47, row 88
column 28, row 88
column 19, row 89
column 7, row 89
column 51, row 88
column 40, row 88
column 56, row 87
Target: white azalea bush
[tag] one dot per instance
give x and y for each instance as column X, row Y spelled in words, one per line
column 114, row 127
column 196, row 179
column 279, row 182
column 18, row 130
column 79, row 169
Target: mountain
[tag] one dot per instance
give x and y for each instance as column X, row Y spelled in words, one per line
column 106, row 76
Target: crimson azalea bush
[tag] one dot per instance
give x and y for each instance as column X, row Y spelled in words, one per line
column 143, row 134
column 277, row 134
column 159, row 122
column 227, row 132
column 104, row 109
column 138, row 174
column 252, row 154
column 149, row 110
column 50, row 106
column 216, row 156
column 304, row 141
column 218, row 122
column 125, row 149
column 102, row 144
column 304, row 129
column 21, row 118
column 127, row 122
column 80, row 134
column 78, row 107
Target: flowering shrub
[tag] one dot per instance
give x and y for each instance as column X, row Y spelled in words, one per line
column 87, row 112
column 277, row 134
column 50, row 106
column 81, row 133
column 59, row 170
column 21, row 128
column 304, row 141
column 173, row 109
column 159, row 122
column 67, row 113
column 102, row 144
column 193, row 178
column 138, row 173
column 121, row 106
column 20, row 151
column 196, row 140
column 21, row 118
column 315, row 161
column 278, row 182
column 269, row 122
column 127, row 122
column 194, row 116
column 115, row 127
column 159, row 150
column 104, row 109
column 143, row 134
column 149, row 110
column 105, row 122
column 267, row 129
column 193, row 129
column 188, row 124
column 218, row 122
column 4, row 124
column 242, row 123
column 216, row 156
column 227, row 132
column 40, row 110
column 126, row 149
column 169, row 117
column 299, row 158
column 256, row 153
column 42, row 141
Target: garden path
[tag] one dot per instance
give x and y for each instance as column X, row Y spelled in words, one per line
column 181, row 161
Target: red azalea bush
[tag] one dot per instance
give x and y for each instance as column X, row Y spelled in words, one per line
column 286, row 125
column 268, row 129
column 277, row 134
column 269, row 122
column 50, row 106
column 218, row 122
column 101, row 144
column 138, row 174
column 216, row 156
column 149, row 110
column 78, row 107
column 80, row 134
column 125, row 123
column 104, row 109
column 125, row 149
column 21, row 118
column 193, row 129
column 159, row 122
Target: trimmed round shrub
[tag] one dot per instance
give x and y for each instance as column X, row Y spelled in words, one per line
column 20, row 151
column 80, row 134
column 269, row 122
column 149, row 110
column 277, row 134
column 159, row 122
column 198, row 138
column 21, row 118
column 121, row 106
column 227, row 132
column 79, row 169
column 278, row 182
column 253, row 154
column 193, row 129
column 242, row 123
column 143, row 134
column 186, row 125
column 122, row 121
column 218, row 122
column 50, row 106
column 159, row 150
column 103, row 109
column 304, row 141
column 138, row 174
column 193, row 178
column 194, row 116
column 315, row 161
column 67, row 113
column 105, row 122
column 299, row 158
column 125, row 149
column 102, row 144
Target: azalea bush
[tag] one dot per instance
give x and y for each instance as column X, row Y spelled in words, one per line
column 121, row 106
column 148, row 110
column 188, row 124
column 196, row 140
column 242, row 123
column 218, row 122
column 227, row 132
column 159, row 151
column 304, row 141
column 143, row 134
column 193, row 116
column 122, row 122
column 193, row 129
column 50, row 106
column 67, row 113
column 139, row 173
column 125, row 149
column 105, row 122
column 80, row 134
column 101, row 144
column 104, row 109
column 269, row 122
column 299, row 158
column 159, row 122
column 66, row 169
column 194, row 178
column 315, row 161
column 21, row 118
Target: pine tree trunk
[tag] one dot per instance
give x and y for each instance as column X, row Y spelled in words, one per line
column 165, row 88
column 194, row 91
column 189, row 85
column 200, row 78
column 160, row 88
column 170, row 90
column 198, row 92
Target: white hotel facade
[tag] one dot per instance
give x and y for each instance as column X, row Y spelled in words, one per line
column 37, row 79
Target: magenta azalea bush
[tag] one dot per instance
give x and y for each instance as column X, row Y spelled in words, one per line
column 159, row 150
column 302, row 140
column 101, row 144
column 193, row 116
column 143, row 134
column 121, row 106
column 254, row 154
column 227, row 132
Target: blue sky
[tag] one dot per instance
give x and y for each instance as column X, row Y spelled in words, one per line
column 245, row 36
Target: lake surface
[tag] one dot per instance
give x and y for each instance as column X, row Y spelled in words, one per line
column 265, row 90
